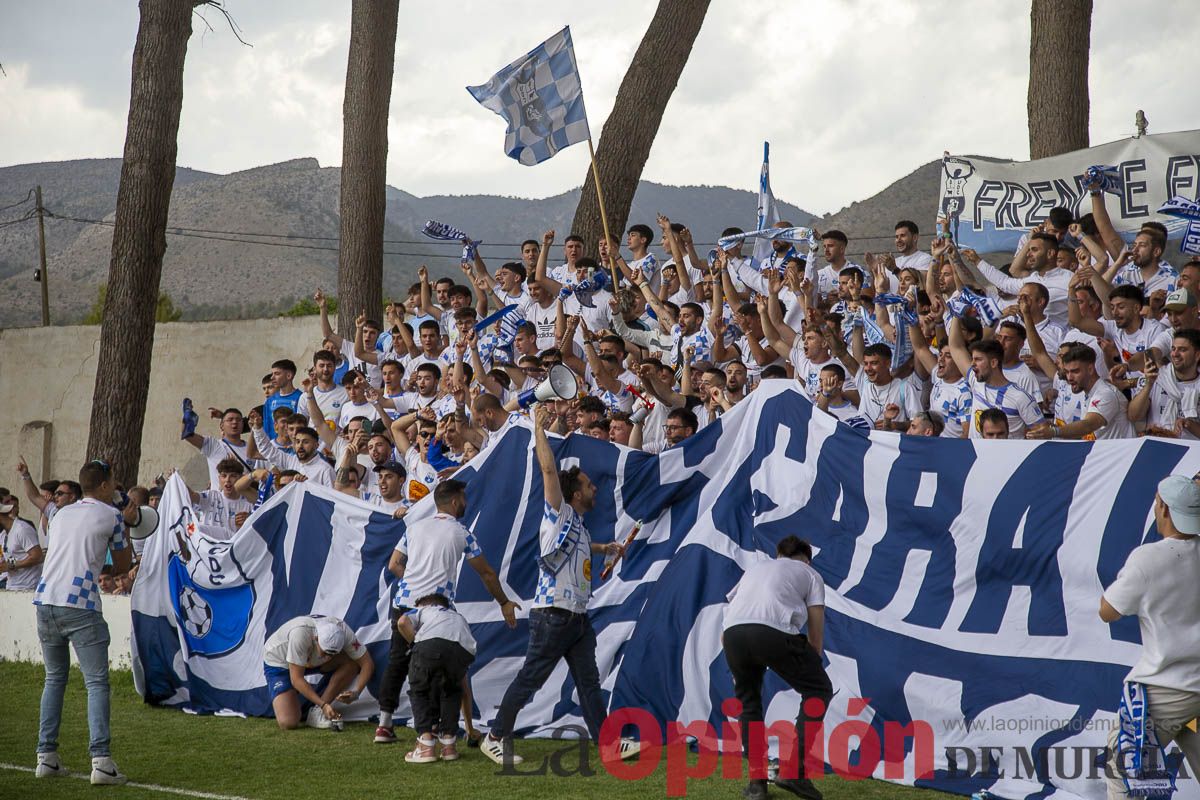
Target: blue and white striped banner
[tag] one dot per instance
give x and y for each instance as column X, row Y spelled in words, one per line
column 963, row 581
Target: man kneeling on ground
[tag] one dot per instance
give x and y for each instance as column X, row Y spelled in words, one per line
column 314, row 645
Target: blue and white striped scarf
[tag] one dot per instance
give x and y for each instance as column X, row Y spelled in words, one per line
column 497, row 347
column 449, row 233
column 907, row 316
column 1142, row 761
column 985, row 307
column 1189, row 210
column 795, row 235
column 584, row 290
column 1109, row 178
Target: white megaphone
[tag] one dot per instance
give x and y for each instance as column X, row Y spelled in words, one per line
column 560, row 383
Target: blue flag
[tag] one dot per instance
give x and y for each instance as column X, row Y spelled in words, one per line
column 541, row 98
column 768, row 212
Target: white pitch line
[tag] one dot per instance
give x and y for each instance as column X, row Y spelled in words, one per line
column 154, row 787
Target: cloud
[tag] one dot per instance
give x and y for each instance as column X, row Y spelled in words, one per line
column 852, row 94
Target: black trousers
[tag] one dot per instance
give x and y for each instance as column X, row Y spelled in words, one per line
column 435, row 679
column 750, row 651
column 397, row 666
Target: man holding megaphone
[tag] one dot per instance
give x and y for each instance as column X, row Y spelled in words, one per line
column 559, row 627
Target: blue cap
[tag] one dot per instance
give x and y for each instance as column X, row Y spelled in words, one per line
column 1182, row 497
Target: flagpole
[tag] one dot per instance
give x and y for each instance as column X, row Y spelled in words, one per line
column 612, row 261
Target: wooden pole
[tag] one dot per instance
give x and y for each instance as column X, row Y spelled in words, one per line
column 45, row 281
column 612, row 261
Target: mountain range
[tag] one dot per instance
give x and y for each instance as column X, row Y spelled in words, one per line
column 251, row 243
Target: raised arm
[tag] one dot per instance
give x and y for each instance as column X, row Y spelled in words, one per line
column 326, row 329
column 545, row 456
column 924, row 361
column 958, row 347
column 1075, row 317
column 32, row 493
column 551, row 286
column 1107, row 232
column 427, row 306
column 1037, row 348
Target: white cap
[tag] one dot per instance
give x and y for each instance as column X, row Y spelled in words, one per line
column 1182, row 497
column 331, row 635
column 7, row 509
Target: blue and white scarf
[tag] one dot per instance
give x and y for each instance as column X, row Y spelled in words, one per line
column 1108, row 178
column 795, row 235
column 265, row 490
column 585, row 289
column 449, row 233
column 1189, row 210
column 987, row 309
column 1141, row 760
column 906, row 317
column 497, row 347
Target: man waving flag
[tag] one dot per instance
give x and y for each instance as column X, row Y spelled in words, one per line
column 540, row 96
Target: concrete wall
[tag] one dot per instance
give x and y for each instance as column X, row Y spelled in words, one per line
column 18, row 629
column 47, row 377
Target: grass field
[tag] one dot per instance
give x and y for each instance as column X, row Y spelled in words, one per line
column 253, row 759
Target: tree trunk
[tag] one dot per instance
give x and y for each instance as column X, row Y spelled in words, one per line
column 631, row 127
column 364, row 159
column 1059, row 39
column 139, row 236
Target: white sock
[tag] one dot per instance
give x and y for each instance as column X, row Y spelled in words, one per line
column 385, row 719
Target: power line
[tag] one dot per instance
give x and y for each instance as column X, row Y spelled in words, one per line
column 28, row 216
column 217, row 234
column 19, row 203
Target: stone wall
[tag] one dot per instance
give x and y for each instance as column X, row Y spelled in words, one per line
column 47, row 376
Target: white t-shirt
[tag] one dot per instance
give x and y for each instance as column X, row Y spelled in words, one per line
column 1167, row 400
column 422, row 477
column 776, row 593
column 1105, row 400
column 808, row 372
column 373, row 372
column 296, row 643
column 565, row 560
column 903, row 392
column 217, row 450
column 16, row 544
column 435, row 547
column 80, row 534
column 435, row 622
column 1016, row 403
column 218, row 511
column 330, row 401
column 1068, row 404
column 1024, row 377
column 544, row 321
column 316, row 469
column 1129, row 344
column 351, row 410
column 953, row 402
column 917, row 259
column 1160, row 583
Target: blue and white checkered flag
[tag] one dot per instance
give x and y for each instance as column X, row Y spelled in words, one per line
column 540, row 96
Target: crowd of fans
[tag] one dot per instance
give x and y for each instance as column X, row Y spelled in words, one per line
column 1081, row 336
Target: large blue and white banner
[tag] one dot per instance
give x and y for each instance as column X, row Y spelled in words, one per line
column 990, row 203
column 963, row 577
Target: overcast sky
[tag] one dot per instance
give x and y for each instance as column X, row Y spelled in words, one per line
column 852, row 94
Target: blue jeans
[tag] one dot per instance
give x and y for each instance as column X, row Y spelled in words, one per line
column 59, row 627
column 554, row 634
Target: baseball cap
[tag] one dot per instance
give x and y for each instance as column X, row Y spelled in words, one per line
column 331, row 637
column 392, row 466
column 7, row 508
column 1182, row 497
column 1180, row 299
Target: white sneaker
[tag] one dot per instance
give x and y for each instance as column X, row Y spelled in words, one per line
column 628, row 748
column 48, row 766
column 105, row 772
column 317, row 719
column 494, row 749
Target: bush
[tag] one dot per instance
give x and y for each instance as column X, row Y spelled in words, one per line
column 164, row 309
